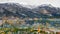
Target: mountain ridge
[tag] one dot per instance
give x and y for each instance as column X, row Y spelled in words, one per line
column 16, row 9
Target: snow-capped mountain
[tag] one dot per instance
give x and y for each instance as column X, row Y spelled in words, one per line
column 19, row 10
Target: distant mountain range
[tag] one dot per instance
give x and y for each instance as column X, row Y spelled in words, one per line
column 15, row 9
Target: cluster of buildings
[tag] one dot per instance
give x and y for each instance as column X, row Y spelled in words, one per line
column 11, row 20
column 20, row 21
column 17, row 20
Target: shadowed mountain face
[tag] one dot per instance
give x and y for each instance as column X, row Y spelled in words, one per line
column 15, row 9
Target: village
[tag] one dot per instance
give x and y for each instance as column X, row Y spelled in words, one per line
column 8, row 25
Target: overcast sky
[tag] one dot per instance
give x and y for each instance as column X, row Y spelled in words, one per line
column 55, row 3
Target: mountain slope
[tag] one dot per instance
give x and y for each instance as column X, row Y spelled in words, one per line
column 15, row 9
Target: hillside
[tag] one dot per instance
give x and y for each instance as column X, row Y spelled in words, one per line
column 15, row 9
